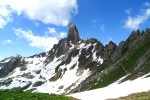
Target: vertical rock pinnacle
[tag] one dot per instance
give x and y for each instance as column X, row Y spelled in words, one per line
column 73, row 34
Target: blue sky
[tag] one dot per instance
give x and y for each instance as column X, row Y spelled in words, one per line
column 29, row 27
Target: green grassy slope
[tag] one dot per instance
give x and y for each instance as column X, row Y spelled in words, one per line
column 17, row 94
column 135, row 96
column 125, row 66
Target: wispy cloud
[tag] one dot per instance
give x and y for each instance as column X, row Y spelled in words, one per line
column 53, row 32
column 128, row 11
column 97, row 24
column 108, row 40
column 102, row 27
column 42, row 42
column 62, row 34
column 134, row 22
column 6, row 42
column 147, row 4
column 57, row 12
column 5, row 17
column 36, row 24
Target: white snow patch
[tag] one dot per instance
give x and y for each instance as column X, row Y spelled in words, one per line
column 97, row 59
column 70, row 78
column 87, row 46
column 14, row 83
column 87, row 56
column 32, row 65
column 72, row 45
column 49, row 69
column 115, row 90
column 81, row 45
column 100, row 60
column 7, row 60
column 67, row 79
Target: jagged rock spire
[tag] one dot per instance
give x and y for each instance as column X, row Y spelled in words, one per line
column 73, row 34
column 64, row 44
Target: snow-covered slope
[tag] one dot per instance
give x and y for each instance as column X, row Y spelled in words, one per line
column 75, row 65
column 37, row 76
column 58, row 71
column 115, row 90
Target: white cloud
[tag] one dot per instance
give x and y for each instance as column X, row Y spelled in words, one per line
column 6, row 42
column 5, row 18
column 51, row 31
column 57, row 12
column 133, row 23
column 41, row 42
column 62, row 34
column 4, row 11
column 2, row 22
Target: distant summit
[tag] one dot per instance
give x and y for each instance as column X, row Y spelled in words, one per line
column 65, row 44
column 73, row 34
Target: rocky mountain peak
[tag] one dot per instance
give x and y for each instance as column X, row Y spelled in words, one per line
column 64, row 44
column 111, row 44
column 87, row 64
column 73, row 34
column 109, row 49
column 134, row 35
column 17, row 56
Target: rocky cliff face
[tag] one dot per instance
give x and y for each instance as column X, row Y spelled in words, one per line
column 9, row 64
column 73, row 35
column 130, row 58
column 65, row 44
column 75, row 65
